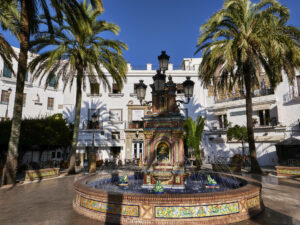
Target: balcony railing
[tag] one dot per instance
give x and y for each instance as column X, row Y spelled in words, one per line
column 256, row 93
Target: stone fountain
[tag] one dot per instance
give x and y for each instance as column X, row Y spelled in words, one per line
column 162, row 193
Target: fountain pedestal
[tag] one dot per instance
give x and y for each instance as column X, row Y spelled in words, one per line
column 163, row 145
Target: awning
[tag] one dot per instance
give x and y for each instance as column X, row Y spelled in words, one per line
column 261, row 107
column 219, row 113
column 289, row 142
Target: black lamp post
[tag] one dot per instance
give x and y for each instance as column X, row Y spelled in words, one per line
column 94, row 121
column 160, row 82
column 8, row 97
column 188, row 89
column 163, row 61
column 141, row 91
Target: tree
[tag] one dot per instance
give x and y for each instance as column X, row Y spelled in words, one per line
column 9, row 17
column 193, row 135
column 238, row 133
column 241, row 40
column 78, row 49
column 27, row 25
column 44, row 133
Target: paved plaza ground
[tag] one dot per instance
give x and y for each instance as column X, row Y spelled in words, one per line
column 50, row 203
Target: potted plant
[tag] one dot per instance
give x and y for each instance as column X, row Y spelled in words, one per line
column 211, row 183
column 124, row 181
column 158, row 188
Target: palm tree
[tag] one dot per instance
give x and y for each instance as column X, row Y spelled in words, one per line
column 78, row 49
column 193, row 135
column 28, row 25
column 9, row 17
column 241, row 40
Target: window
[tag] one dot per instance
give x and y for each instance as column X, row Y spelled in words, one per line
column 26, row 76
column 4, row 97
column 52, row 82
column 264, row 117
column 50, row 103
column 58, row 155
column 53, row 155
column 6, row 71
column 24, row 99
column 94, row 88
column 179, row 89
column 116, row 89
column 137, row 150
column 91, row 112
column 115, row 135
column 115, row 115
column 223, row 121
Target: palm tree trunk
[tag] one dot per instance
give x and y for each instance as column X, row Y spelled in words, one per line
column 10, row 169
column 71, row 169
column 255, row 168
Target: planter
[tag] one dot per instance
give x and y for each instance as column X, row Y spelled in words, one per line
column 212, row 186
column 288, row 170
column 123, row 184
column 40, row 174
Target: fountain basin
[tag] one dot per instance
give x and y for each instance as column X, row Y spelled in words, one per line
column 194, row 208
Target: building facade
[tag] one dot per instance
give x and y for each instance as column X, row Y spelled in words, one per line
column 118, row 134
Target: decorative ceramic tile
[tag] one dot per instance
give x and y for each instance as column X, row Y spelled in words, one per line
column 176, row 151
column 252, row 202
column 43, row 174
column 182, row 212
column 148, row 179
column 148, row 151
column 287, row 171
column 104, row 207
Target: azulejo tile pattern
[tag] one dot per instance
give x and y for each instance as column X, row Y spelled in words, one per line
column 253, row 202
column 292, row 172
column 43, row 174
column 104, row 207
column 182, row 212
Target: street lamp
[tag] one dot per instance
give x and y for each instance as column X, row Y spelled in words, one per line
column 160, row 82
column 163, row 61
column 92, row 161
column 188, row 89
column 8, row 95
column 141, row 90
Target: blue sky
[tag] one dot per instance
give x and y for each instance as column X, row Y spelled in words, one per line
column 149, row 26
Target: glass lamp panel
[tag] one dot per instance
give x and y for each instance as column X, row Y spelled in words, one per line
column 141, row 93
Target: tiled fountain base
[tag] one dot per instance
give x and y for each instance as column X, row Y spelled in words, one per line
column 204, row 208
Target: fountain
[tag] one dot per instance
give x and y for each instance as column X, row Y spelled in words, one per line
column 163, row 193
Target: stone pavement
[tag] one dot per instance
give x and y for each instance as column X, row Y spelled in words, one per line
column 50, row 203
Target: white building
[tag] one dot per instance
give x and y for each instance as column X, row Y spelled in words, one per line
column 119, row 132
column 38, row 102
